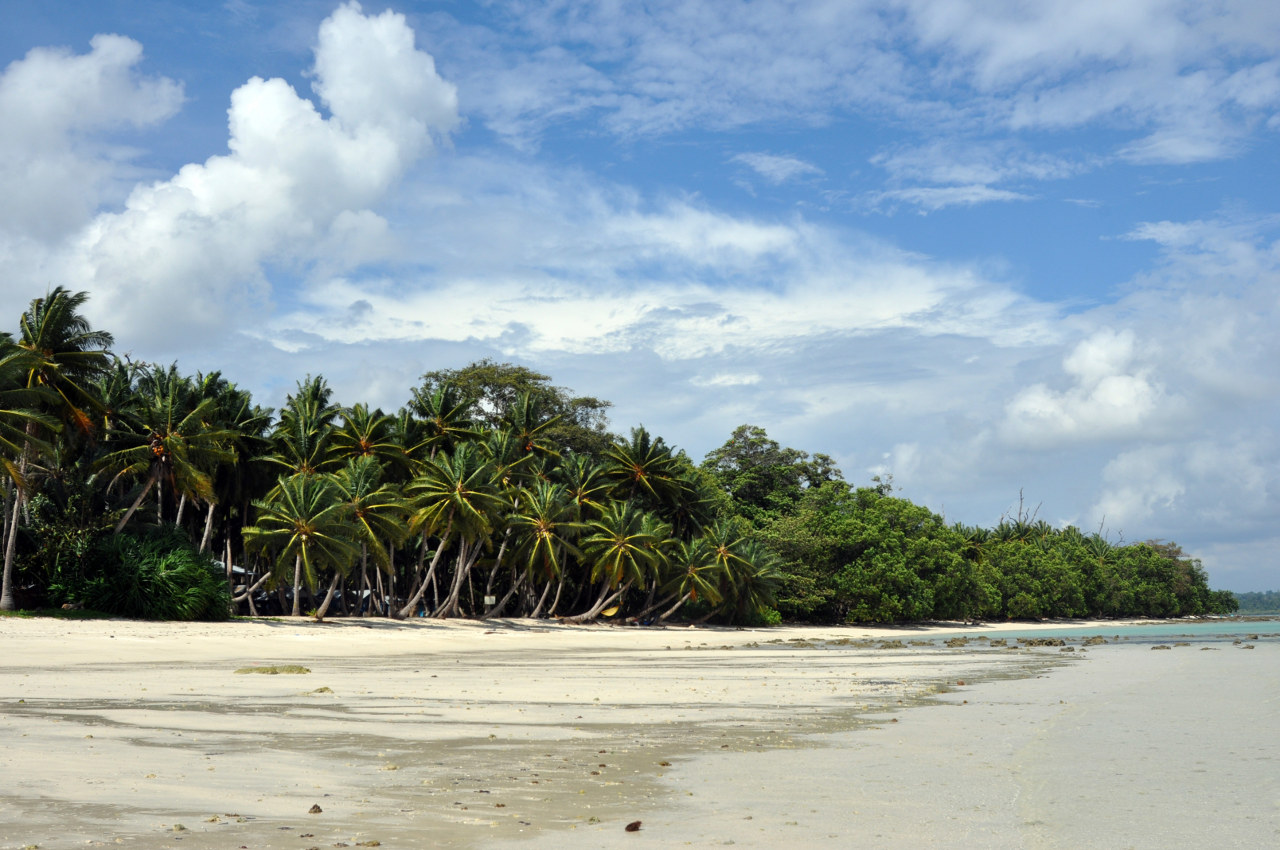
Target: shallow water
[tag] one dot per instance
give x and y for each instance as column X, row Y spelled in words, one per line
column 1227, row 629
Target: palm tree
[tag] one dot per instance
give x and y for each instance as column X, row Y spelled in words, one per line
column 366, row 433
column 643, row 468
column 586, row 483
column 545, row 524
column 531, row 426
column 456, row 492
column 69, row 355
column 19, row 418
column 171, row 445
column 64, row 357
column 749, row 581
column 619, row 552
column 302, row 437
column 376, row 510
column 305, row 523
column 695, row 577
column 445, row 414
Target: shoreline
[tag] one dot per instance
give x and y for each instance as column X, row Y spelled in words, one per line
column 469, row 734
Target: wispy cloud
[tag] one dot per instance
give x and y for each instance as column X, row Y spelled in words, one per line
column 934, row 198
column 777, row 169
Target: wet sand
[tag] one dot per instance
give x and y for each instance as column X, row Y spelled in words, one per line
column 525, row 734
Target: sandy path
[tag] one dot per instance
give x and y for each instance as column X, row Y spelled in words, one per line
column 466, row 735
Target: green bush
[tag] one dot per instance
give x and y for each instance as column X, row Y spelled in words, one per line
column 155, row 576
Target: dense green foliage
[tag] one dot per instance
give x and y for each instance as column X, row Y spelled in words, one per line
column 862, row 554
column 156, row 576
column 491, row 492
column 1264, row 602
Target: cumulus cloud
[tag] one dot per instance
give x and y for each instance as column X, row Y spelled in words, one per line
column 1111, row 396
column 188, row 254
column 55, row 167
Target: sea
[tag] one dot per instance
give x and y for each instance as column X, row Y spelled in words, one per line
column 1215, row 630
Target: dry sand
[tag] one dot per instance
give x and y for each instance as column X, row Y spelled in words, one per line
column 529, row 735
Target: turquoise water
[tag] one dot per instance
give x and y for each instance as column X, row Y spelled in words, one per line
column 1158, row 631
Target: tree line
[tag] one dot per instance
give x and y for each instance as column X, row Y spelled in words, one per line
column 139, row 490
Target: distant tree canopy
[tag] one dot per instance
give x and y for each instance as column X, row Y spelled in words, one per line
column 1265, row 602
column 491, row 391
column 491, row 492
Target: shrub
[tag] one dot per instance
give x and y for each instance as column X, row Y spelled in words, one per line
column 155, row 576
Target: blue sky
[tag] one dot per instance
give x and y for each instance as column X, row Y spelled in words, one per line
column 991, row 248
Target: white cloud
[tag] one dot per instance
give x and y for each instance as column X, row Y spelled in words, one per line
column 1185, row 81
column 934, row 198
column 54, row 167
column 777, row 169
column 189, row 254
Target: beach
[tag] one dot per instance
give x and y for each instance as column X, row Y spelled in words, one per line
column 529, row 734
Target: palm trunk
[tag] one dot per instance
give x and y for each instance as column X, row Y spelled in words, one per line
column 182, row 506
column 364, row 581
column 208, row 530
column 431, row 572
column 654, row 606
column 551, row 612
column 297, row 585
column 546, row 588
column 600, row 604
column 7, row 602
column 461, row 568
column 136, row 502
column 502, row 603
column 676, row 607
column 249, row 591
column 328, row 597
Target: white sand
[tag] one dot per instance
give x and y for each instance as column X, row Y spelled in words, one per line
column 470, row 735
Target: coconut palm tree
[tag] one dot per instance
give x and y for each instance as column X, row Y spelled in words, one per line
column 302, row 438
column 304, row 524
column 545, row 525
column 619, row 551
column 587, row 485
column 694, row 577
column 531, row 425
column 376, row 510
column 456, row 495
column 69, row 355
column 642, row 468
column 445, row 413
column 20, row 418
column 171, row 444
column 65, row 355
column 365, row 433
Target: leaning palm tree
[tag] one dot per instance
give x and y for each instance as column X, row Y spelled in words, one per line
column 619, row 551
column 694, row 577
column 20, row 418
column 456, row 496
column 304, row 524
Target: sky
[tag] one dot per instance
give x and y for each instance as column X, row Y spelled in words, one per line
column 1017, row 255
